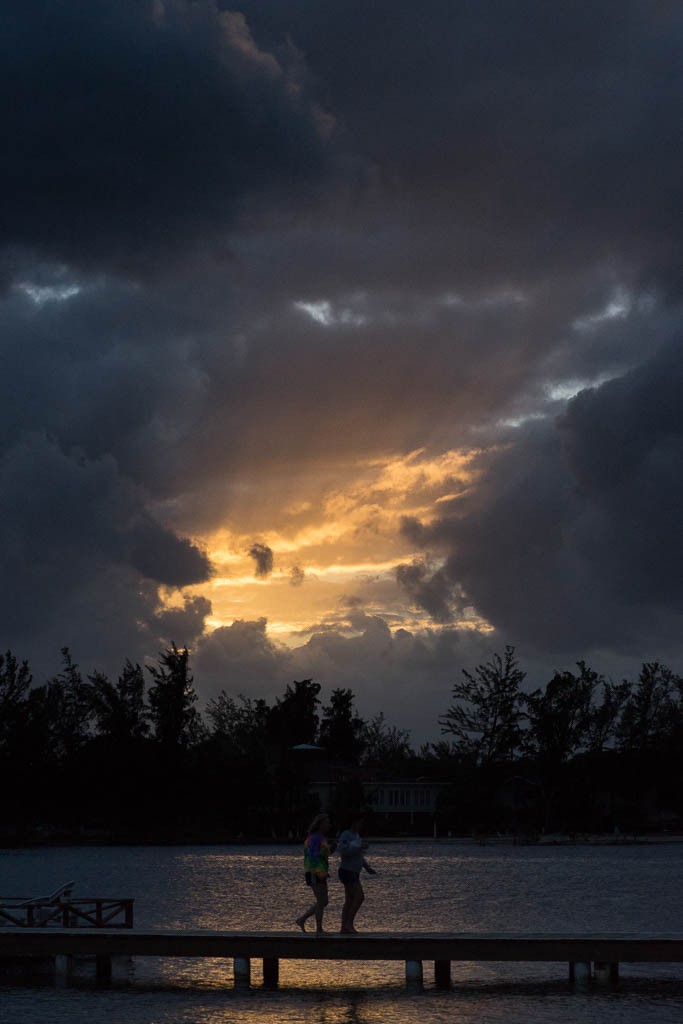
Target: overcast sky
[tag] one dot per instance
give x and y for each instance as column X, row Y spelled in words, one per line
column 342, row 340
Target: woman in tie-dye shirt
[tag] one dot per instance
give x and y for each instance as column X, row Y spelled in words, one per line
column 317, row 851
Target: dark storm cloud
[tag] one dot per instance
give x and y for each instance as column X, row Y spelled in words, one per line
column 61, row 513
column 573, row 538
column 624, row 446
column 69, row 529
column 134, row 128
column 159, row 554
column 530, row 131
column 383, row 669
column 114, row 369
column 263, row 559
column 183, row 626
column 430, row 589
column 241, row 658
column 445, row 111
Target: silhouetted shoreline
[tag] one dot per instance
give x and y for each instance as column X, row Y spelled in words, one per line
column 554, row 839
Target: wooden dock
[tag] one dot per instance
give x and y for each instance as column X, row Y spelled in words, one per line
column 588, row 956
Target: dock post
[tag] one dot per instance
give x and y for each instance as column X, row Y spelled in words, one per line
column 414, row 975
column 606, row 973
column 580, row 971
column 103, row 967
column 63, row 968
column 242, row 967
column 442, row 974
column 271, row 972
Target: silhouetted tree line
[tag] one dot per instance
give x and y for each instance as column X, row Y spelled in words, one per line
column 581, row 754
column 134, row 760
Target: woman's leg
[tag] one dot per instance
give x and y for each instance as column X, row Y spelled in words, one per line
column 301, row 921
column 321, row 901
column 357, row 898
column 316, row 909
column 353, row 897
column 348, row 902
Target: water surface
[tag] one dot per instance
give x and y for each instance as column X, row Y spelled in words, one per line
column 419, row 886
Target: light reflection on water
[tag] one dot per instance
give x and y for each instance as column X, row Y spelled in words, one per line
column 420, row 887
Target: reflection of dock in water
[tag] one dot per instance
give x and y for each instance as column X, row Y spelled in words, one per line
column 589, row 957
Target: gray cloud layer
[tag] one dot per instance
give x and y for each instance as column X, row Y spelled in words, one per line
column 486, row 196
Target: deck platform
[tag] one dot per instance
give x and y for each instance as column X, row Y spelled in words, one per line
column 590, row 955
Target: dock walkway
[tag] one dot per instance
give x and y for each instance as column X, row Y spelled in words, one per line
column 588, row 956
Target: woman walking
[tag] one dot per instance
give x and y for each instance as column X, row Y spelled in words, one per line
column 316, row 867
column 350, row 846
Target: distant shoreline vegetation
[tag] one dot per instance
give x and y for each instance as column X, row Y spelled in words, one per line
column 87, row 759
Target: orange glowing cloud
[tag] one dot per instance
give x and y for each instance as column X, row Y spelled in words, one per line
column 335, row 541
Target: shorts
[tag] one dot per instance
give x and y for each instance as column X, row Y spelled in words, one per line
column 348, row 877
column 312, row 879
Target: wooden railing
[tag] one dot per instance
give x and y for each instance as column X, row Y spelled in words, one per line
column 67, row 912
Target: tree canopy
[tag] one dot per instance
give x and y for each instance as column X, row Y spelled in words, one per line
column 136, row 758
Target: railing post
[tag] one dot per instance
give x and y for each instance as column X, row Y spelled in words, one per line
column 414, row 976
column 242, row 968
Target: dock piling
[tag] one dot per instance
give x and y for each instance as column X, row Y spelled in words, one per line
column 579, row 971
column 442, row 974
column 242, row 970
column 103, row 967
column 271, row 972
column 606, row 973
column 63, row 968
column 414, row 976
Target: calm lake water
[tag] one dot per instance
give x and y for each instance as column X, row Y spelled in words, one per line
column 419, row 886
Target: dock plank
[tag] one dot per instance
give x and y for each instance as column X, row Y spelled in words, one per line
column 441, row 946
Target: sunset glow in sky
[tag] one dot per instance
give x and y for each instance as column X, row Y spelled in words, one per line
column 334, row 551
column 340, row 343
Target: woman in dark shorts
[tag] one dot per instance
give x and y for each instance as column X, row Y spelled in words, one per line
column 350, row 847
